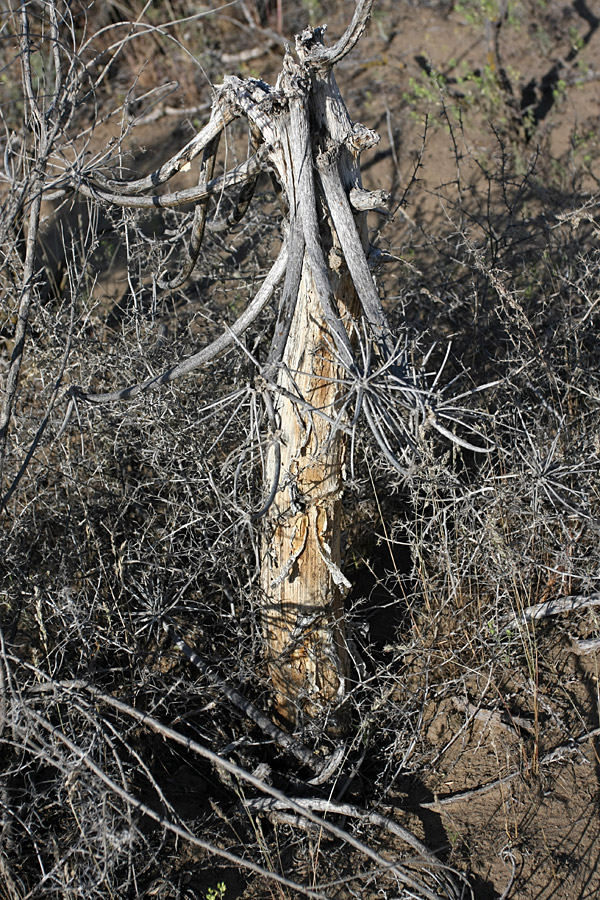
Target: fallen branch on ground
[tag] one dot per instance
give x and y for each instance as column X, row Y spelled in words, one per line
column 552, row 608
column 553, row 756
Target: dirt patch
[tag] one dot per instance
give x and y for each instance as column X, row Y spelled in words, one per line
column 510, row 791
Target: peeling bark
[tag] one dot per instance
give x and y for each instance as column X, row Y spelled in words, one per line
column 302, row 580
column 303, row 584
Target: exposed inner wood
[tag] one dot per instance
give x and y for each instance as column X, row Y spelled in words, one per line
column 303, row 584
column 302, row 580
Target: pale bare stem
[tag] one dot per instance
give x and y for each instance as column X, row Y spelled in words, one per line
column 135, row 804
column 356, row 510
column 240, row 207
column 27, row 298
column 199, row 221
column 289, row 297
column 44, row 423
column 552, row 608
column 289, row 743
column 221, row 116
column 56, row 98
column 318, row 56
column 354, row 254
column 307, row 210
column 207, row 354
column 391, row 868
column 43, row 143
column 239, row 175
column 30, row 93
column 276, row 475
column 446, row 882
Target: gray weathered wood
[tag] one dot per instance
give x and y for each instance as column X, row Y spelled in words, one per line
column 303, row 136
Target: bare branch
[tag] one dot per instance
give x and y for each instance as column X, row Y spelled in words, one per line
column 373, row 818
column 308, row 44
column 305, row 756
column 287, row 304
column 552, row 608
column 220, row 117
column 303, row 165
column 43, row 424
column 354, row 253
column 207, row 354
column 206, row 171
column 245, row 196
column 262, row 512
column 240, row 174
column 178, row 830
column 395, row 869
column 27, row 294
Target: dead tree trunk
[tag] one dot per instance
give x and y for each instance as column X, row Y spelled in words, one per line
column 303, row 135
column 302, row 580
column 313, row 150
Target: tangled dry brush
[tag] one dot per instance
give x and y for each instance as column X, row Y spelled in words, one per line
column 139, row 756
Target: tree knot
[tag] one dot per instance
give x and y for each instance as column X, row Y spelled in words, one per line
column 361, row 138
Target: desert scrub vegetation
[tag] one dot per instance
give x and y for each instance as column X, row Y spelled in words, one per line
column 165, row 419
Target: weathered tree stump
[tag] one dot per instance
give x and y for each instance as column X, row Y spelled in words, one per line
column 302, row 134
column 314, row 149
